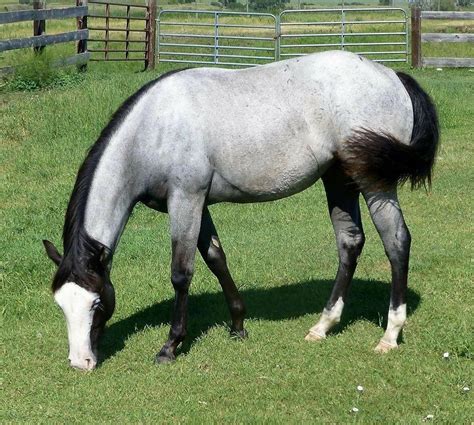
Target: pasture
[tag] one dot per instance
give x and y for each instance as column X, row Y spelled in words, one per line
column 283, row 257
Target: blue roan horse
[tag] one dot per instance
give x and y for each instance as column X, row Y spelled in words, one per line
column 196, row 137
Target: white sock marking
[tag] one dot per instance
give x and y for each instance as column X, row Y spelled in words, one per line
column 396, row 319
column 328, row 319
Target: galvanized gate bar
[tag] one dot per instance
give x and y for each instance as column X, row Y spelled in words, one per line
column 338, row 22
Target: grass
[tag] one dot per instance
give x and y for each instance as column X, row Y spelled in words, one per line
column 283, row 258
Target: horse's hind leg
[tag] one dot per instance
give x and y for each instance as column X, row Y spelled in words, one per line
column 388, row 219
column 185, row 221
column 343, row 202
column 214, row 256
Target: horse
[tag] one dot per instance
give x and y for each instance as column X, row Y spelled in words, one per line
column 200, row 136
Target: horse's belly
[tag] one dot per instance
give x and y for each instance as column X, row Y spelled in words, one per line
column 265, row 177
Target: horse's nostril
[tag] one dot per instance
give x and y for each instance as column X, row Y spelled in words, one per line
column 87, row 363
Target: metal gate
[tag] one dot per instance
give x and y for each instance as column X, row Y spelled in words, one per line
column 378, row 33
column 122, row 31
column 249, row 39
column 216, row 38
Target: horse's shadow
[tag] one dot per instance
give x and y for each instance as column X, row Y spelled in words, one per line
column 368, row 300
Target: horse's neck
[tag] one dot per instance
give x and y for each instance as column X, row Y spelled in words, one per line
column 113, row 192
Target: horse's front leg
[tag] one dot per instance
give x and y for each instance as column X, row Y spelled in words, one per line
column 185, row 212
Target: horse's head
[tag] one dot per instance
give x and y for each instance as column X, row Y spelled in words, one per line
column 86, row 296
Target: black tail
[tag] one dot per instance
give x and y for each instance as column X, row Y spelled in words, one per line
column 379, row 161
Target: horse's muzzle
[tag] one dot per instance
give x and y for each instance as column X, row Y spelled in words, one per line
column 86, row 363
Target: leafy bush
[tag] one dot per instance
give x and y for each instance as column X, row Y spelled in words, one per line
column 235, row 6
column 260, row 5
column 446, row 5
column 443, row 5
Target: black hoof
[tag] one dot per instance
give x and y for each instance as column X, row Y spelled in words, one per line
column 162, row 358
column 235, row 334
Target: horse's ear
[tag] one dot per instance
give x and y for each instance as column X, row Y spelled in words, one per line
column 52, row 252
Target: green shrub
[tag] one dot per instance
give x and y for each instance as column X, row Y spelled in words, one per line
column 260, row 5
column 446, row 5
column 235, row 6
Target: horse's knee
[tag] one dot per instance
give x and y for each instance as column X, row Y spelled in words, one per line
column 181, row 279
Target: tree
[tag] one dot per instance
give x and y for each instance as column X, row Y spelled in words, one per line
column 266, row 4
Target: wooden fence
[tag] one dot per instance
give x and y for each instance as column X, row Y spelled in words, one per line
column 418, row 37
column 113, row 44
column 39, row 40
column 81, row 12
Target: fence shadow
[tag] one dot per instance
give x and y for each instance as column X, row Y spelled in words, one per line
column 368, row 300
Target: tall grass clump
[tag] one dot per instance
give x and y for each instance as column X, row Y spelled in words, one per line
column 37, row 71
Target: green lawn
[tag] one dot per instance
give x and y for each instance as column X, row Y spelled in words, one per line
column 283, row 258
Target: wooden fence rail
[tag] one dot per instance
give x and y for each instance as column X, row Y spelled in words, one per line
column 42, row 14
column 418, row 37
column 43, row 40
column 38, row 16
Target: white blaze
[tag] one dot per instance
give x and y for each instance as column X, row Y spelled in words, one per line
column 77, row 305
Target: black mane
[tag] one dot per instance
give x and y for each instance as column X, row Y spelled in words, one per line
column 79, row 248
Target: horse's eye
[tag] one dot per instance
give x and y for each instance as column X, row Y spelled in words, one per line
column 96, row 304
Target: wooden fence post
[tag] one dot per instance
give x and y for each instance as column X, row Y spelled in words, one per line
column 82, row 25
column 39, row 27
column 416, row 37
column 150, row 35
